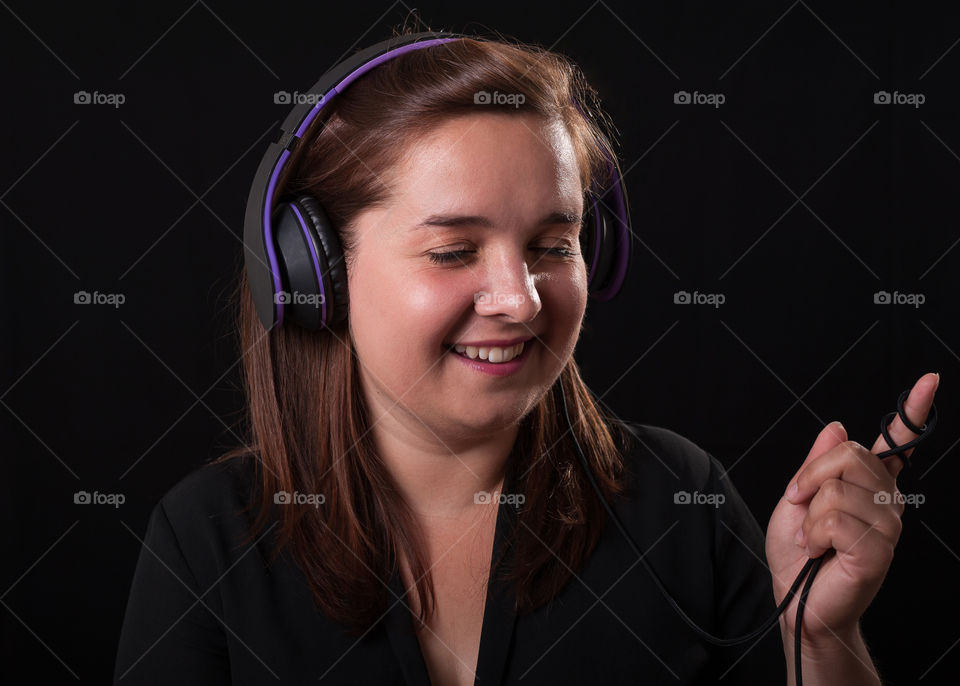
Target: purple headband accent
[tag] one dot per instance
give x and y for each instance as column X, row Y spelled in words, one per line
column 623, row 229
column 275, row 174
column 360, row 71
column 316, row 264
column 597, row 235
column 620, row 212
column 268, row 233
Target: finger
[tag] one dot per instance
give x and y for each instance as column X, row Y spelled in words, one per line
column 917, row 408
column 848, row 461
column 830, row 436
column 849, row 535
column 883, row 513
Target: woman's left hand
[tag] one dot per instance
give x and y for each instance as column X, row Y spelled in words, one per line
column 847, row 504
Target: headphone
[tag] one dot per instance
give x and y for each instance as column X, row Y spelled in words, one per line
column 293, row 256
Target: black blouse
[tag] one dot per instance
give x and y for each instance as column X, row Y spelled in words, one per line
column 204, row 611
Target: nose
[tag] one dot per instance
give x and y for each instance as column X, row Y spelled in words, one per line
column 509, row 289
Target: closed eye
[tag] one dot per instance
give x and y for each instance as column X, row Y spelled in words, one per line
column 457, row 255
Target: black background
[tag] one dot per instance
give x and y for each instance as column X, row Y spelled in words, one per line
column 797, row 199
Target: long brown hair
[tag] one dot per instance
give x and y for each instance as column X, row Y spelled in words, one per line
column 307, row 421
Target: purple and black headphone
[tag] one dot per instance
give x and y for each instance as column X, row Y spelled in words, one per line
column 291, row 247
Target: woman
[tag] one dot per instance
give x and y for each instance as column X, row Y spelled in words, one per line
column 408, row 513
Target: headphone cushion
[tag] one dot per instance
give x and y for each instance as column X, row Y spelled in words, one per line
column 329, row 242
column 608, row 246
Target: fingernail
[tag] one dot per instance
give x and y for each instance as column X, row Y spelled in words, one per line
column 799, row 536
column 937, row 384
column 792, row 491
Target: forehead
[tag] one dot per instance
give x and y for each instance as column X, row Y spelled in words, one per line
column 492, row 156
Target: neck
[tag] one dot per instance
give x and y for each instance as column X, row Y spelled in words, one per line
column 440, row 477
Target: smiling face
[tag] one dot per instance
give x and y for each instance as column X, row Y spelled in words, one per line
column 506, row 190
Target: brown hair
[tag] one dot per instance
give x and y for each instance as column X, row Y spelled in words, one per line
column 308, row 424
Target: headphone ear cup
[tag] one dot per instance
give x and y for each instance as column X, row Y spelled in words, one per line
column 606, row 247
column 333, row 265
column 606, row 239
column 588, row 239
column 311, row 264
column 598, row 243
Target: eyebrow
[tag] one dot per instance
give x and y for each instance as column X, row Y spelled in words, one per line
column 456, row 220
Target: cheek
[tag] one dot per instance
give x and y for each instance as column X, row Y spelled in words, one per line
column 565, row 293
column 565, row 299
column 424, row 298
column 409, row 310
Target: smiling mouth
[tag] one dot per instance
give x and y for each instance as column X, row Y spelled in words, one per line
column 490, row 354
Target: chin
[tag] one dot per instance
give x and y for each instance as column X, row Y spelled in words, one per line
column 500, row 415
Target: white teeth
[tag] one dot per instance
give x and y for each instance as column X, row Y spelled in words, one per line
column 493, row 355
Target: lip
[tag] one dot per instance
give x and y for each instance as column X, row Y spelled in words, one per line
column 490, row 342
column 494, row 369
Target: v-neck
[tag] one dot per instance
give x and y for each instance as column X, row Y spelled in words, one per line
column 499, row 615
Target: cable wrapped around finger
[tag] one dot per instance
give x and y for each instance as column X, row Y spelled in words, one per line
column 924, row 431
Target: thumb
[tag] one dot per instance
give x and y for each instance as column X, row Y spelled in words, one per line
column 832, row 435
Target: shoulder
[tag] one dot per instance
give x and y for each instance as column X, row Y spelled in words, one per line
column 212, row 489
column 670, row 478
column 206, row 515
column 659, row 455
